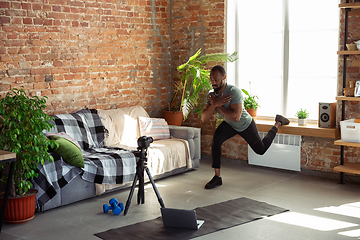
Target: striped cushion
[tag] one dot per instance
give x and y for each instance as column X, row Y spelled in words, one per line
column 157, row 128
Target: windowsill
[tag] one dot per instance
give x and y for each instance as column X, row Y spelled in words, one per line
column 311, row 129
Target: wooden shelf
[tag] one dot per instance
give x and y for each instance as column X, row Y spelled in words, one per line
column 348, row 168
column 349, row 144
column 349, row 5
column 343, row 98
column 353, row 168
column 5, row 156
column 311, row 130
column 348, row 52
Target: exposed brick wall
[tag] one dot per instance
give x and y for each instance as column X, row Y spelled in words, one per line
column 96, row 54
column 197, row 24
column 116, row 53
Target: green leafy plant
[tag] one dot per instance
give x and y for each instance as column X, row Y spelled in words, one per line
column 22, row 123
column 302, row 114
column 219, row 119
column 250, row 100
column 194, row 81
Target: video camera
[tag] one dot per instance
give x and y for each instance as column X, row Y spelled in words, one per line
column 144, row 142
column 140, row 153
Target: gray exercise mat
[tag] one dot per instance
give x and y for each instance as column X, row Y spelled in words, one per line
column 217, row 217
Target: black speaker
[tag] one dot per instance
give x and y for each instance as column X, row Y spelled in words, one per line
column 327, row 115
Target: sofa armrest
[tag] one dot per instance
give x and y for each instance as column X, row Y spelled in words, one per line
column 193, row 136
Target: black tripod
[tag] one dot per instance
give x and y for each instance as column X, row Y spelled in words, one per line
column 140, row 166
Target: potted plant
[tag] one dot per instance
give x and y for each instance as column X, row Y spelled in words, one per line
column 302, row 115
column 22, row 123
column 194, row 81
column 250, row 103
column 219, row 119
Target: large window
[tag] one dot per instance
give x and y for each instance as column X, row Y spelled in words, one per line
column 287, row 52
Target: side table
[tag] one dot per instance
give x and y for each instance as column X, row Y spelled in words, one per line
column 6, row 157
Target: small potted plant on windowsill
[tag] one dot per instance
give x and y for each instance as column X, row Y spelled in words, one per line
column 302, row 115
column 250, row 103
column 23, row 121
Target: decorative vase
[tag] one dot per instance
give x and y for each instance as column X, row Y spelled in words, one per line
column 173, row 117
column 20, row 209
column 302, row 122
column 252, row 112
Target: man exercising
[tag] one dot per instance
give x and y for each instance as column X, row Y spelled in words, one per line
column 227, row 100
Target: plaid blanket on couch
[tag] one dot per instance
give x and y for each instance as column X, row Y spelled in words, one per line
column 102, row 165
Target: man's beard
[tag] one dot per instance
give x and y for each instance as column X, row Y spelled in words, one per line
column 216, row 90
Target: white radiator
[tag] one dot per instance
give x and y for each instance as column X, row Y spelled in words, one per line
column 283, row 153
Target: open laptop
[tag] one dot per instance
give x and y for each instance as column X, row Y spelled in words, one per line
column 180, row 218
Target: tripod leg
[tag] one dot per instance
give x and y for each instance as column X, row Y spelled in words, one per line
column 140, row 172
column 154, row 187
column 141, row 192
column 128, row 202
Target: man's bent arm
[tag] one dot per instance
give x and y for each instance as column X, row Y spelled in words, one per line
column 234, row 113
column 207, row 112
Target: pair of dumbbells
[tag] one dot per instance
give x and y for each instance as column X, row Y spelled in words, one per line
column 115, row 206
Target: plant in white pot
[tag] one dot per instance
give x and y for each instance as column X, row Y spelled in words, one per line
column 22, row 123
column 302, row 115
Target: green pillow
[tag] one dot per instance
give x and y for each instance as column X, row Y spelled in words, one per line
column 68, row 150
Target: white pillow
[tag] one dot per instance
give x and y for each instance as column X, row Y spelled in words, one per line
column 122, row 125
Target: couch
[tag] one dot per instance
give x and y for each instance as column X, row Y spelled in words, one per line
column 107, row 141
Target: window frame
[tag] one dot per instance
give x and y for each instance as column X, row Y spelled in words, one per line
column 234, row 46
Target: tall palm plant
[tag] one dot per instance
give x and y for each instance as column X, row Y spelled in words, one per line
column 194, row 80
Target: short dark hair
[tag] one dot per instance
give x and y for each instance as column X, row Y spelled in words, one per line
column 220, row 69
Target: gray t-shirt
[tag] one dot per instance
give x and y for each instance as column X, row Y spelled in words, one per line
column 236, row 97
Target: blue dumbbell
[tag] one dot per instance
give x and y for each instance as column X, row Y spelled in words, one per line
column 116, row 207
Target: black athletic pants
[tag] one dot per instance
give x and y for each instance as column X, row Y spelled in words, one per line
column 250, row 135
